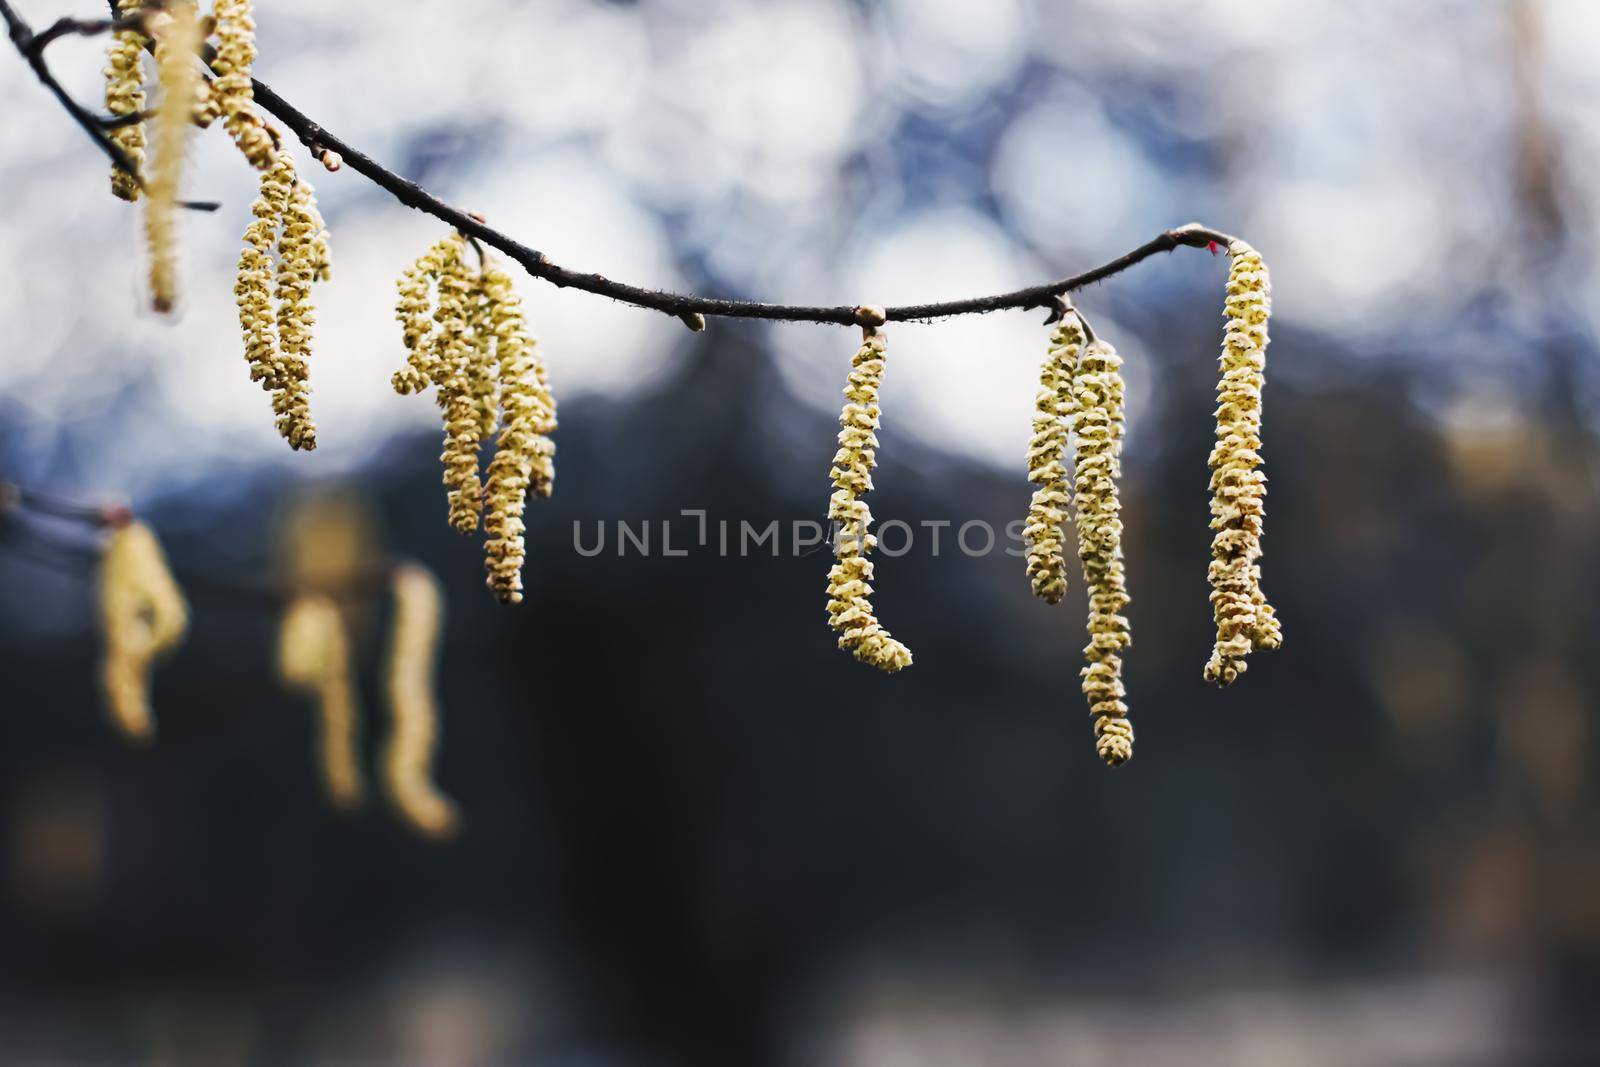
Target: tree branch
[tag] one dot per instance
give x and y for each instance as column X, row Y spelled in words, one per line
column 689, row 308
column 685, row 306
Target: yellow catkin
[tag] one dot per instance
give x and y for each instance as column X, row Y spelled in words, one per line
column 1098, row 395
column 314, row 658
column 206, row 107
column 1047, row 566
column 413, row 705
column 305, row 200
column 253, row 287
column 414, row 310
column 849, row 609
column 142, row 617
column 524, row 459
column 452, row 376
column 1245, row 621
column 124, row 74
column 481, row 376
column 177, row 45
column 233, row 93
column 301, row 261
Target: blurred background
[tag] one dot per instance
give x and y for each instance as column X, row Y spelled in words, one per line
column 694, row 833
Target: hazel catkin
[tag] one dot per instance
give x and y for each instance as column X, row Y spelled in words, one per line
column 177, row 47
column 124, row 74
column 285, row 252
column 1047, row 459
column 524, row 458
column 413, row 741
column 314, row 658
column 233, row 93
column 465, row 333
column 1098, row 423
column 414, row 310
column 143, row 616
column 463, row 437
column 850, row 611
column 1245, row 621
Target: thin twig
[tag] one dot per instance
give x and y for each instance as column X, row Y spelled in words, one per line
column 688, row 308
column 409, row 193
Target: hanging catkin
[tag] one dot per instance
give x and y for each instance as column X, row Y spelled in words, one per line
column 142, row 617
column 849, row 581
column 299, row 264
column 1047, row 459
column 472, row 343
column 233, row 94
column 1098, row 394
column 278, row 342
column 414, row 310
column 177, row 47
column 124, row 73
column 314, row 658
column 1245, row 621
column 524, row 458
column 413, row 705
column 453, row 376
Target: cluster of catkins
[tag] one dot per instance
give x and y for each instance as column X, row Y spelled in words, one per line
column 1079, row 418
column 286, row 243
column 466, row 335
column 316, row 657
column 144, row 616
column 1080, row 400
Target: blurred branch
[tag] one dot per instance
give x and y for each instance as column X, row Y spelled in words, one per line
column 690, row 309
column 70, row 551
column 31, row 47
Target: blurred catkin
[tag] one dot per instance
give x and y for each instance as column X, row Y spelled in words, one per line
column 1047, row 458
column 142, row 616
column 177, row 40
column 233, row 93
column 314, row 658
column 849, row 609
column 413, row 704
column 524, row 458
column 1098, row 422
column 1245, row 621
column 124, row 73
